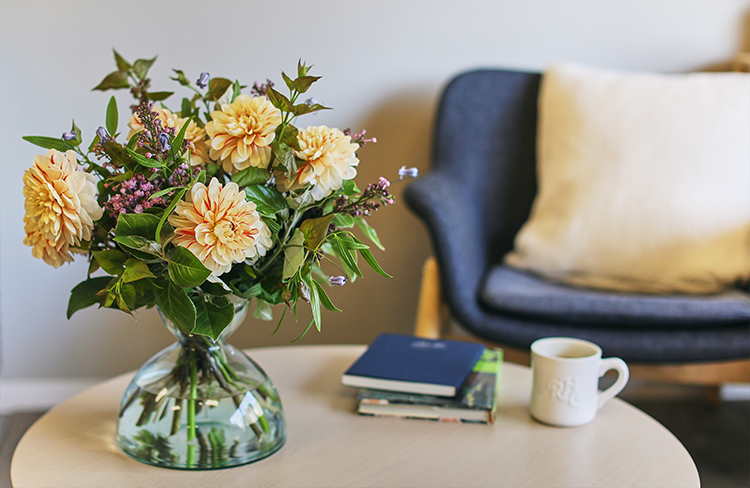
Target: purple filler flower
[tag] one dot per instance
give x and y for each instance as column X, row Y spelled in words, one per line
column 69, row 136
column 405, row 172
column 164, row 142
column 337, row 280
column 102, row 133
column 203, row 80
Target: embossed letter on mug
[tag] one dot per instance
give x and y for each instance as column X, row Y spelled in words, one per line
column 566, row 375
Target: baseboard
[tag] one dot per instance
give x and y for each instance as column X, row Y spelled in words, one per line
column 39, row 394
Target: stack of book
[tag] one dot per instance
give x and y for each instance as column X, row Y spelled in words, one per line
column 411, row 377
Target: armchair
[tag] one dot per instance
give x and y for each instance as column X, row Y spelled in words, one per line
column 476, row 198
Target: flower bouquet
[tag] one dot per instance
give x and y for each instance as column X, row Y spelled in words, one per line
column 198, row 211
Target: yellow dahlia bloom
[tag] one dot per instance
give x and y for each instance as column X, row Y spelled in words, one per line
column 60, row 204
column 53, row 253
column 220, row 226
column 194, row 135
column 329, row 157
column 241, row 133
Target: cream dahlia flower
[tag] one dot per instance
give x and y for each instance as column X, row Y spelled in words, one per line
column 53, row 253
column 329, row 157
column 220, row 226
column 60, row 204
column 241, row 133
column 194, row 135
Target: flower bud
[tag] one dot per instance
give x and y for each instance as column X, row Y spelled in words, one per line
column 405, row 172
column 164, row 142
column 203, row 80
column 102, row 133
column 69, row 136
column 337, row 280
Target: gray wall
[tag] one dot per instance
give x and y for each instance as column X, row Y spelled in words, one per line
column 383, row 64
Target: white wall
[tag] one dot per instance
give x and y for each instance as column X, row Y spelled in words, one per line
column 383, row 64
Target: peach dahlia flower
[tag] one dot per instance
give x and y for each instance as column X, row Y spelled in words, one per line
column 220, row 226
column 194, row 135
column 241, row 133
column 60, row 204
column 329, row 157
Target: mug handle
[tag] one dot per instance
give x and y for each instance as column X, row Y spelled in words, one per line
column 622, row 379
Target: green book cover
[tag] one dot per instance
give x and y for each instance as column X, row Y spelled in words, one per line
column 475, row 402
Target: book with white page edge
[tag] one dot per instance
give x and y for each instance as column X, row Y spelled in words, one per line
column 408, row 364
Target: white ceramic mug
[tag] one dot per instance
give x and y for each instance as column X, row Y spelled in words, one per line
column 566, row 373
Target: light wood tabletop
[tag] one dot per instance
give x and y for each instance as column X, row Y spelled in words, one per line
column 330, row 445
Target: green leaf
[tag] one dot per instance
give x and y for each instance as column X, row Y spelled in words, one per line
column 176, row 306
column 143, row 160
column 185, row 269
column 214, row 289
column 316, row 230
column 168, row 212
column 138, row 243
column 114, row 81
column 251, row 176
column 112, row 116
column 79, row 135
column 181, row 78
column 268, row 200
column 327, row 303
column 84, row 294
column 159, row 96
column 48, row 142
column 141, row 225
column 111, row 261
column 251, row 292
column 369, row 232
column 303, row 83
column 126, row 297
column 122, row 65
column 163, row 192
column 213, row 316
column 348, row 258
column 289, row 82
column 367, row 255
column 177, row 142
column 314, row 301
column 135, row 270
column 117, row 153
column 352, row 243
column 343, row 221
column 236, row 89
column 279, row 101
column 263, row 310
column 216, row 88
column 141, row 67
column 294, row 255
column 350, row 188
column 302, row 69
column 303, row 108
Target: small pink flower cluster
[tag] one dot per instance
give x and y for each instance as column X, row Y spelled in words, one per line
column 375, row 195
column 134, row 195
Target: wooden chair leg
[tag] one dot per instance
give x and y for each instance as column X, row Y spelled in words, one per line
column 428, row 312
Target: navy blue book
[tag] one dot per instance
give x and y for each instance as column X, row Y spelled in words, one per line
column 410, row 364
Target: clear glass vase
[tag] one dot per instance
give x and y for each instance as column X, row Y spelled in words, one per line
column 200, row 404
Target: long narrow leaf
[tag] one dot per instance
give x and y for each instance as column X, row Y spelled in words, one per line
column 112, row 116
column 168, row 211
column 324, row 299
column 367, row 255
column 48, row 142
column 347, row 257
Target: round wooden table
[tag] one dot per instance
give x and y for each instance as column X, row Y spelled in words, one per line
column 330, row 445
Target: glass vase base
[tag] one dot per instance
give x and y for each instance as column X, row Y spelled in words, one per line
column 228, row 432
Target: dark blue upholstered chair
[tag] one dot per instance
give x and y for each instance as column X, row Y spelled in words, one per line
column 474, row 201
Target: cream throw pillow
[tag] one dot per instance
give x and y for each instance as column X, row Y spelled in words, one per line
column 644, row 181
